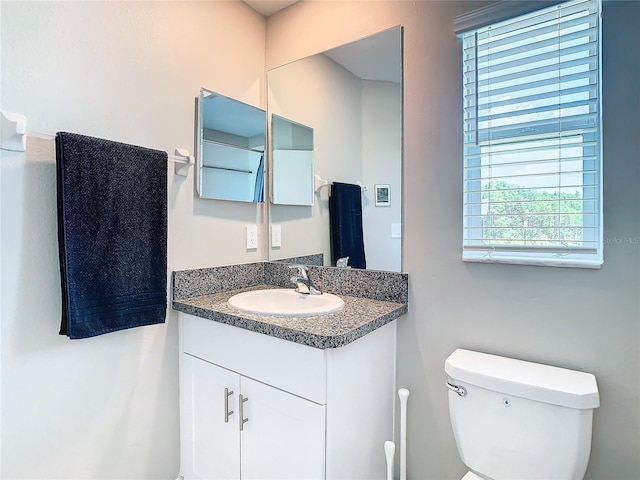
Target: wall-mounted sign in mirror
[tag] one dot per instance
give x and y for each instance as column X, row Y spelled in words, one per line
column 291, row 162
column 352, row 96
column 231, row 143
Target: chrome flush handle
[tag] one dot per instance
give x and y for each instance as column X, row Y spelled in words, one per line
column 460, row 390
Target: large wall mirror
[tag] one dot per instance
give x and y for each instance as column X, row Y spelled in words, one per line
column 230, row 149
column 351, row 96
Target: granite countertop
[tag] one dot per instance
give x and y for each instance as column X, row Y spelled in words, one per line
column 358, row 317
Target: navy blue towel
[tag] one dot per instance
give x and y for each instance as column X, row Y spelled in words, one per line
column 345, row 213
column 112, row 235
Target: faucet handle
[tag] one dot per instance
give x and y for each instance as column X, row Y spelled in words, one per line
column 343, row 262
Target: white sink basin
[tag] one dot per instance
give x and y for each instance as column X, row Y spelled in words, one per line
column 285, row 302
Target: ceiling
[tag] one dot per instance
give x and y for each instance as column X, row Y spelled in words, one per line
column 269, row 7
column 371, row 58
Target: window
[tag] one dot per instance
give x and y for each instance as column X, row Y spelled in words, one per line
column 532, row 137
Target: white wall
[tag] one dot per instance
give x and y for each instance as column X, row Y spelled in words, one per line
column 382, row 164
column 107, row 407
column 587, row 320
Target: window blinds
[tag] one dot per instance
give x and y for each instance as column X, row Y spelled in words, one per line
column 532, row 148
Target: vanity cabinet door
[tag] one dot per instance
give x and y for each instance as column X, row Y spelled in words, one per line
column 210, row 445
column 284, row 437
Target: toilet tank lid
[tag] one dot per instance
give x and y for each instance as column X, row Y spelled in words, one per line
column 543, row 383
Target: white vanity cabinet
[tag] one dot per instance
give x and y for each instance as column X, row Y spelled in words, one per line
column 310, row 413
column 282, row 436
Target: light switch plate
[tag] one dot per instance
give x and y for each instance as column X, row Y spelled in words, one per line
column 276, row 236
column 396, row 230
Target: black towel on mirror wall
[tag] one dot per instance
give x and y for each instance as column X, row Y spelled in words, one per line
column 112, row 235
column 345, row 219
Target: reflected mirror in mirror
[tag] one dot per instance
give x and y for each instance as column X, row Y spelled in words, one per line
column 352, row 96
column 291, row 162
column 231, row 142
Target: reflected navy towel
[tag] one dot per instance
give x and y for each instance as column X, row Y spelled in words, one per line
column 112, row 235
column 345, row 211
column 258, row 192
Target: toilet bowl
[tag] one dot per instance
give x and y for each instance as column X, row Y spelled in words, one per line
column 513, row 419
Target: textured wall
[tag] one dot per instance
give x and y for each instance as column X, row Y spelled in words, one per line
column 586, row 320
column 107, row 407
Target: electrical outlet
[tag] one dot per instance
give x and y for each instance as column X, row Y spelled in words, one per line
column 276, row 236
column 252, row 237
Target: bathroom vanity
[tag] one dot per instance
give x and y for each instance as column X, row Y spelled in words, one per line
column 268, row 397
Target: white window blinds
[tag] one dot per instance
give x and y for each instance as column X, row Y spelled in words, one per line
column 532, row 139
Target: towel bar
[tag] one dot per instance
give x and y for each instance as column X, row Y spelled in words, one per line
column 183, row 161
column 13, row 133
column 319, row 182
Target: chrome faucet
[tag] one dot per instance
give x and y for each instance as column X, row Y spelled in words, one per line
column 302, row 280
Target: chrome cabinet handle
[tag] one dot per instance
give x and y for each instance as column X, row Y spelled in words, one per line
column 242, row 419
column 227, row 412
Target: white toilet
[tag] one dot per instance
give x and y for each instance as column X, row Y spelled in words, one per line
column 516, row 420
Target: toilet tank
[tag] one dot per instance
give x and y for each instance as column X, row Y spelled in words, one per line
column 520, row 420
